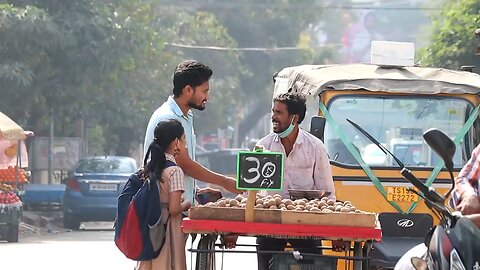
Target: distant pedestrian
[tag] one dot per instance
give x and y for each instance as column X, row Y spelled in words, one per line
column 168, row 142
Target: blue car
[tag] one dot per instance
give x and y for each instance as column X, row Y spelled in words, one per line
column 92, row 189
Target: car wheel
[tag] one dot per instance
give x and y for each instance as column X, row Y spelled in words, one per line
column 12, row 233
column 70, row 222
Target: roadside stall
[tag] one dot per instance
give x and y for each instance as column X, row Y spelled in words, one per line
column 305, row 215
column 13, row 157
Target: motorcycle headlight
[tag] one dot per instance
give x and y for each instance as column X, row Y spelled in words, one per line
column 455, row 261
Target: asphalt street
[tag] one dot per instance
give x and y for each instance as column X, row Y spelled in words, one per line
column 89, row 249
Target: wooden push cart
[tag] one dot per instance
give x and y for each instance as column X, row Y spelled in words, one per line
column 362, row 237
column 307, row 214
column 12, row 152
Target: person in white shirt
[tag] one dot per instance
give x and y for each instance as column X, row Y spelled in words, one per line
column 306, row 165
column 190, row 90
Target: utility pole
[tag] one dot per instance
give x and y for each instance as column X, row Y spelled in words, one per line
column 477, row 35
column 50, row 148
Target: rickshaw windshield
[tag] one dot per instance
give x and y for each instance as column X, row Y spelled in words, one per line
column 396, row 122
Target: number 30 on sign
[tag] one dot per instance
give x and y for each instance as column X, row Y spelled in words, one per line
column 259, row 170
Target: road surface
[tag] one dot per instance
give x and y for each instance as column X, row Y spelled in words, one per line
column 89, row 249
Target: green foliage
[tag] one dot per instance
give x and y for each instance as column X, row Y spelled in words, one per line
column 181, row 26
column 265, row 24
column 92, row 60
column 27, row 35
column 96, row 140
column 109, row 63
column 452, row 41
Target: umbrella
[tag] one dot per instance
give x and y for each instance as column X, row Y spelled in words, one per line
column 12, row 147
column 9, row 130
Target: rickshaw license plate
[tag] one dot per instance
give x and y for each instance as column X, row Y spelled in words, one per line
column 401, row 194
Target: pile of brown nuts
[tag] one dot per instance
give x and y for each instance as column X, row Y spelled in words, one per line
column 275, row 202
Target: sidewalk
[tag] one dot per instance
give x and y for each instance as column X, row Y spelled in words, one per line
column 41, row 222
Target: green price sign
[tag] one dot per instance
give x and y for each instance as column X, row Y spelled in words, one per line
column 259, row 170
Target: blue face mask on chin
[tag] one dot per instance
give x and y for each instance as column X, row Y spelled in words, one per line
column 287, row 131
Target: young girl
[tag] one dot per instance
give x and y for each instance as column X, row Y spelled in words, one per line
column 169, row 140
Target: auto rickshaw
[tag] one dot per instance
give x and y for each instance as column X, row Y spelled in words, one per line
column 396, row 104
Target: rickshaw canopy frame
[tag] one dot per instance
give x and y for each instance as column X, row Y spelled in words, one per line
column 314, row 79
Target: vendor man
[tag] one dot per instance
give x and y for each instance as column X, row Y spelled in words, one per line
column 306, row 165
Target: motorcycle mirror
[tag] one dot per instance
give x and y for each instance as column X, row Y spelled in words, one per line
column 442, row 145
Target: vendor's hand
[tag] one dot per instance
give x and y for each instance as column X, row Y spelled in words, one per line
column 206, row 195
column 470, row 204
column 230, row 184
column 207, row 189
column 229, row 241
column 340, row 245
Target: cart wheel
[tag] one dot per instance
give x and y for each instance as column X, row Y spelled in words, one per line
column 70, row 222
column 206, row 261
column 12, row 233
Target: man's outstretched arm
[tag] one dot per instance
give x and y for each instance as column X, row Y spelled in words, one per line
column 199, row 172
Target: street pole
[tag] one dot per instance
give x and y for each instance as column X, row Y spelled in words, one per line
column 50, row 148
column 477, row 36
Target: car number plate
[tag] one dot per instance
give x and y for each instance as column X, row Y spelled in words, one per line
column 401, row 194
column 103, row 187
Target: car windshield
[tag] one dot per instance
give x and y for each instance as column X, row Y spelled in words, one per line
column 109, row 165
column 398, row 123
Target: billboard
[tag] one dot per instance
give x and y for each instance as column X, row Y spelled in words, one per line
column 66, row 151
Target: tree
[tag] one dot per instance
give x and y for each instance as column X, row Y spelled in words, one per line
column 81, row 60
column 266, row 24
column 184, row 26
column 452, row 41
column 101, row 62
column 27, row 35
column 109, row 63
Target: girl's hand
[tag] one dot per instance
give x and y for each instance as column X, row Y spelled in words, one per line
column 176, row 206
column 207, row 190
column 186, row 205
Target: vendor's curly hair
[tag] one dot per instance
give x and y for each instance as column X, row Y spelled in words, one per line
column 296, row 103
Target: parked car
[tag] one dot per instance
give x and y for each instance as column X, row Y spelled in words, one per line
column 200, row 150
column 92, row 189
column 222, row 161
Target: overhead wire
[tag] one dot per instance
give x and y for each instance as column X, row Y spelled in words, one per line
column 218, row 48
column 301, row 6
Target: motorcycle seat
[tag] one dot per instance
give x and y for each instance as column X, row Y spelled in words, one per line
column 399, row 234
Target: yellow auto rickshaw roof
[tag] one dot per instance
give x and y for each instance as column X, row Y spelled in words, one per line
column 314, row 79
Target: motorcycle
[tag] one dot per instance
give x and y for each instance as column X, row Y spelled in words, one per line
column 455, row 242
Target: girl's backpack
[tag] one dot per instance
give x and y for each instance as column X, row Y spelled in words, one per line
column 139, row 230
